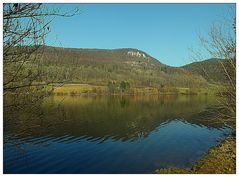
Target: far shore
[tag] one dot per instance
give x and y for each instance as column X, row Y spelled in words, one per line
column 88, row 89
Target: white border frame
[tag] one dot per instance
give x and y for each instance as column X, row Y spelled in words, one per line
column 105, row 1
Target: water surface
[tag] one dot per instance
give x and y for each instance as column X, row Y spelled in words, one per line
column 111, row 134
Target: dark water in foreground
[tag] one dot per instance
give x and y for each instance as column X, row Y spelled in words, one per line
column 111, row 135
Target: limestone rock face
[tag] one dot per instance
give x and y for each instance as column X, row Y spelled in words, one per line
column 136, row 54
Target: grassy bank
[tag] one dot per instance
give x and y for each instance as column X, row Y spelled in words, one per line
column 81, row 89
column 220, row 159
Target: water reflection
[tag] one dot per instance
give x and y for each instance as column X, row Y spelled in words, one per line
column 116, row 117
column 152, row 131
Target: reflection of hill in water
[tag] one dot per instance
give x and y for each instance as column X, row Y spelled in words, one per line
column 125, row 118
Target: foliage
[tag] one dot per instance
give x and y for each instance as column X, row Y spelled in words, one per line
column 112, row 87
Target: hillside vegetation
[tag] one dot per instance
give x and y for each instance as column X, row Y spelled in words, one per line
column 212, row 69
column 115, row 71
column 103, row 67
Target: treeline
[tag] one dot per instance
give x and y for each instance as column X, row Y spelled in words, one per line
column 124, row 88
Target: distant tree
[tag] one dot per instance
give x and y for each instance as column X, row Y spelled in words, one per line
column 124, row 86
column 112, row 87
column 127, row 85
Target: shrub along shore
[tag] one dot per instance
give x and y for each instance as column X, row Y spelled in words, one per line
column 220, row 159
column 125, row 89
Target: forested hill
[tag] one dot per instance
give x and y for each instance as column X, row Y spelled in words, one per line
column 102, row 55
column 99, row 66
column 211, row 69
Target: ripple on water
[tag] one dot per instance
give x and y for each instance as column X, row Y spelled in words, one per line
column 107, row 139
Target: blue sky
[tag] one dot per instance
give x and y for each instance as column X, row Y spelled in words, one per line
column 165, row 31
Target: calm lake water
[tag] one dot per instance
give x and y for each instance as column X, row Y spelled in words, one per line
column 111, row 134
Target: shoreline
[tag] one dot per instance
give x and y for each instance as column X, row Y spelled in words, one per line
column 87, row 89
column 219, row 159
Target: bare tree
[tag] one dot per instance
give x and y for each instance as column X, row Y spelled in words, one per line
column 25, row 27
column 220, row 43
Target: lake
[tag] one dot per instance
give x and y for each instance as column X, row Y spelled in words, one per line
column 120, row 134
